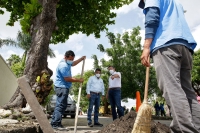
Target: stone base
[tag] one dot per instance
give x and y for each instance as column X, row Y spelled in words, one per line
column 21, row 127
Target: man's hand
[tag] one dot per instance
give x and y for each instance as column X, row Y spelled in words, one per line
column 115, row 76
column 88, row 96
column 71, row 79
column 144, row 57
column 83, row 57
column 146, row 52
column 78, row 61
column 81, row 80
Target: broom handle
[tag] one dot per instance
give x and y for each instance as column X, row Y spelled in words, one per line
column 79, row 96
column 146, row 83
column 82, row 68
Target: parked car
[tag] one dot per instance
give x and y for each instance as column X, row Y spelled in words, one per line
column 71, row 107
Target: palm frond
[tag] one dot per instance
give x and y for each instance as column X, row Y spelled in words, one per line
column 51, row 54
column 8, row 42
column 24, row 40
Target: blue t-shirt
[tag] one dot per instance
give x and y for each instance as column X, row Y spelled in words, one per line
column 172, row 24
column 63, row 70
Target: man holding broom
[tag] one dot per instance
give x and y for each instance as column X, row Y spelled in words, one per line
column 170, row 43
column 63, row 82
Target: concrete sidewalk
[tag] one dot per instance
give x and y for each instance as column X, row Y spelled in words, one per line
column 80, row 129
column 82, row 122
column 67, row 122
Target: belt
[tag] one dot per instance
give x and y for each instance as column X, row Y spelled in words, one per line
column 61, row 87
column 95, row 92
column 115, row 88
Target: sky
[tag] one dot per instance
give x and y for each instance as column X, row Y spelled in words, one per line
column 128, row 17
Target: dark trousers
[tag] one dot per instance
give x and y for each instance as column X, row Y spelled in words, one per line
column 115, row 101
column 157, row 112
column 163, row 113
column 61, row 105
column 93, row 101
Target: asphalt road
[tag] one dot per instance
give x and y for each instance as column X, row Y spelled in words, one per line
column 83, row 128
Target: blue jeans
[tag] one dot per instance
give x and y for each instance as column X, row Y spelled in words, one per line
column 94, row 100
column 61, row 105
column 115, row 101
column 157, row 112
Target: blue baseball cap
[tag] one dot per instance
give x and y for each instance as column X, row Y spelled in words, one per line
column 141, row 4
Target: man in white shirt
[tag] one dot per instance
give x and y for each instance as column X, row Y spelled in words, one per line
column 95, row 87
column 114, row 92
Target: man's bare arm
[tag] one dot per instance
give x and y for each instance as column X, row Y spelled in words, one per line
column 70, row 79
column 146, row 52
column 78, row 61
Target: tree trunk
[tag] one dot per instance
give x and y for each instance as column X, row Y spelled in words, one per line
column 106, row 111
column 41, row 31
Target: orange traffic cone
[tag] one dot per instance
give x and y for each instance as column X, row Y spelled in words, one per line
column 138, row 100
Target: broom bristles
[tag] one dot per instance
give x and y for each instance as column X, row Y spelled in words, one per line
column 143, row 120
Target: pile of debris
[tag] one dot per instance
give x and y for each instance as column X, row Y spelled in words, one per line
column 125, row 125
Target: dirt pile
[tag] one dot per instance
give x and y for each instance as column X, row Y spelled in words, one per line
column 125, row 125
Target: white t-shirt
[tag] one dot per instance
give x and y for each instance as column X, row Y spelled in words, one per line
column 116, row 82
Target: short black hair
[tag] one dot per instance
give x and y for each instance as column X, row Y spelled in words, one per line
column 111, row 66
column 141, row 4
column 69, row 53
column 97, row 69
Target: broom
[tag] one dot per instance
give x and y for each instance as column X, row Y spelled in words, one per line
column 79, row 97
column 143, row 120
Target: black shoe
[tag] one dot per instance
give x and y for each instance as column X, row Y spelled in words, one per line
column 61, row 126
column 57, row 127
column 90, row 124
column 98, row 124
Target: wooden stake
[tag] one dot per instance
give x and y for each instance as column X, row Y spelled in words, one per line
column 35, row 106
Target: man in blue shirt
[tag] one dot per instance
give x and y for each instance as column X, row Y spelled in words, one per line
column 162, row 109
column 62, row 83
column 95, row 87
column 157, row 108
column 170, row 43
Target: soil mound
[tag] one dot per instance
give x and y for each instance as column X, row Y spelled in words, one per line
column 125, row 125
